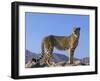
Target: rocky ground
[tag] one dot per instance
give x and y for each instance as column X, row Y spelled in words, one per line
column 32, row 64
column 56, row 60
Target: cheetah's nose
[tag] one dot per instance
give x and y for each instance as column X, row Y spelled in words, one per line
column 78, row 28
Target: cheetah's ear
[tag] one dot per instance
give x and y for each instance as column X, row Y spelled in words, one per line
column 74, row 27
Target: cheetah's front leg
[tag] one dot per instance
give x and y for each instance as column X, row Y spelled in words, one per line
column 71, row 56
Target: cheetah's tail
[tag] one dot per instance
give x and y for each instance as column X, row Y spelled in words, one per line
column 42, row 50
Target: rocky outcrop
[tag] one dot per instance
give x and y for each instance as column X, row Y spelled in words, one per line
column 56, row 60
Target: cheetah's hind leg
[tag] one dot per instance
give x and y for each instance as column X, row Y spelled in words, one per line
column 48, row 56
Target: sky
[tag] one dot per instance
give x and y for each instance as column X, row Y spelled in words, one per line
column 39, row 25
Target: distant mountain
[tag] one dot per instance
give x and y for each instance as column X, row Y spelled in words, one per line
column 29, row 55
column 85, row 61
column 55, row 56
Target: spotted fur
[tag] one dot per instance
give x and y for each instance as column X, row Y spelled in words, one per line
column 61, row 43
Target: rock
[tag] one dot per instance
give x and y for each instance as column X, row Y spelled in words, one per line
column 85, row 61
column 78, row 62
column 29, row 64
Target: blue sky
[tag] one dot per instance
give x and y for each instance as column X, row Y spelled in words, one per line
column 39, row 25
